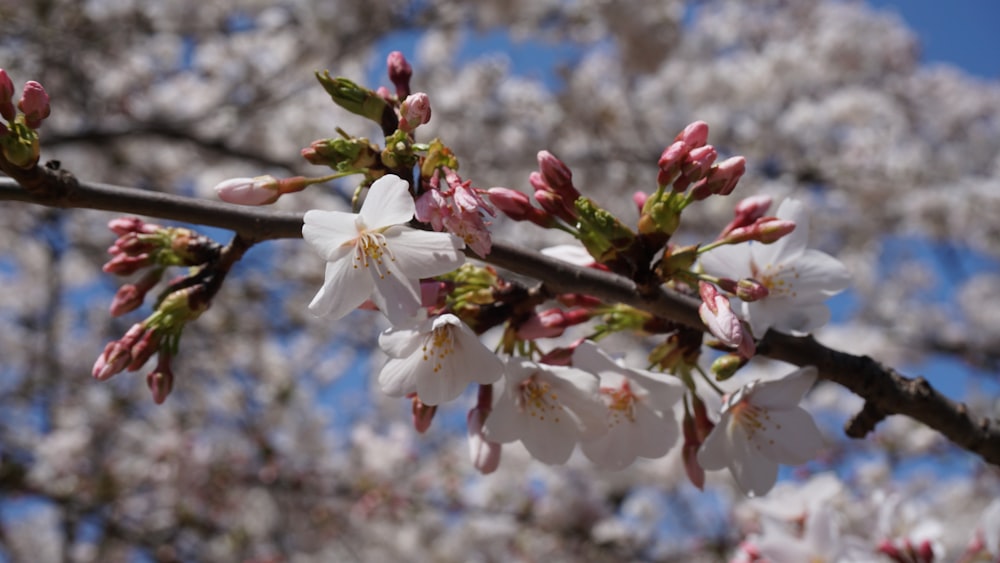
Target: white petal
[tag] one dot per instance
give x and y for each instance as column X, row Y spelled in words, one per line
column 331, row 233
column 755, row 473
column 802, row 320
column 731, row 261
column 474, row 360
column 344, row 289
column 791, row 437
column 786, row 392
column 422, row 254
column 615, row 450
column 551, row 442
column 657, row 433
column 818, row 272
column 439, row 387
column 389, row 202
column 399, row 376
column 714, row 451
column 397, row 297
column 402, row 341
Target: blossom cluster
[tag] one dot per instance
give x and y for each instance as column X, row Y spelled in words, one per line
column 402, row 251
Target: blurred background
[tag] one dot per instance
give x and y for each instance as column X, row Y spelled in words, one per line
column 274, row 446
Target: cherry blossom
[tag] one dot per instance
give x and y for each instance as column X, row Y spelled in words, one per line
column 548, row 408
column 798, row 279
column 639, row 410
column 373, row 254
column 436, row 358
column 762, row 425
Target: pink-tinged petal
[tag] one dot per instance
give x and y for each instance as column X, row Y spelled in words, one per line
column 331, row 233
column 615, row 450
column 762, row 314
column 344, row 289
column 731, row 261
column 787, row 392
column 792, row 437
column 396, row 296
column 714, row 451
column 505, row 423
column 389, row 202
column 422, row 254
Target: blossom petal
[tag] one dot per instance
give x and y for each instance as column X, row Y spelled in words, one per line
column 553, row 444
column 819, row 273
column 755, row 473
column 656, row 433
column 389, row 202
column 787, row 392
column 792, row 437
column 802, row 320
column 714, row 451
column 396, row 296
column 402, row 341
column 474, row 360
column 331, row 233
column 790, row 246
column 344, row 289
column 729, row 261
column 422, row 254
column 399, row 376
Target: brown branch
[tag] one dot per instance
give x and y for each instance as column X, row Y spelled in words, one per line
column 885, row 391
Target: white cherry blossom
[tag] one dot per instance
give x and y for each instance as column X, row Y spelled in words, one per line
column 799, row 279
column 374, row 254
column 435, row 358
column 763, row 425
column 548, row 408
column 639, row 410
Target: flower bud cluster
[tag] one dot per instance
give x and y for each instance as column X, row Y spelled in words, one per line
column 456, row 207
column 18, row 136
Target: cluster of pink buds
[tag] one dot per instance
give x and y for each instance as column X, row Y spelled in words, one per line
column 553, row 190
column 551, row 323
column 456, row 207
column 906, row 551
column 690, row 163
column 18, row 138
column 141, row 245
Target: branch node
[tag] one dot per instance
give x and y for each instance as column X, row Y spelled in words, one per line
column 865, row 421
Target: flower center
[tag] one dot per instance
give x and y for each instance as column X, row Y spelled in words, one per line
column 621, row 403
column 778, row 279
column 753, row 419
column 369, row 249
column 537, row 399
column 438, row 346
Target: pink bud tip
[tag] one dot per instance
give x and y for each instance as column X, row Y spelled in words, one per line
column 415, row 111
column 6, row 94
column 261, row 190
column 694, row 135
column 400, row 72
column 34, row 103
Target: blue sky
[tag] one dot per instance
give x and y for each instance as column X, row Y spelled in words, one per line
column 965, row 33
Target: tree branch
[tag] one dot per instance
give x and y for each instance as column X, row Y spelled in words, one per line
column 885, row 391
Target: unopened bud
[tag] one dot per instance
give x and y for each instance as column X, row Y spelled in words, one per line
column 696, row 166
column 34, row 103
column 7, row 110
column 694, row 135
column 400, row 73
column 517, row 206
column 555, row 205
column 352, row 97
column 260, row 190
column 161, row 380
column 485, row 454
column 670, row 162
column 557, row 176
column 689, row 452
column 726, row 366
column 414, row 111
column 765, row 230
column 423, row 414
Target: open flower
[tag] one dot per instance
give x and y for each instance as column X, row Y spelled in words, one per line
column 639, row 410
column 548, row 408
column 798, row 280
column 436, row 358
column 763, row 425
column 373, row 254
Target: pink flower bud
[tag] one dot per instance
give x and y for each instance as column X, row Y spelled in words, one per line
column 544, row 324
column 123, row 225
column 747, row 212
column 717, row 314
column 400, row 72
column 126, row 265
column 161, row 380
column 261, row 190
column 514, row 204
column 670, row 162
column 34, row 103
column 555, row 205
column 698, row 163
column 485, row 454
column 423, row 414
column 639, row 199
column 6, row 95
column 694, row 135
column 414, row 111
column 689, row 452
column 557, row 176
column 723, row 178
column 765, row 230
